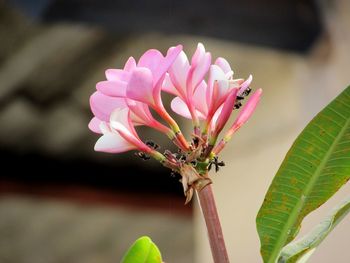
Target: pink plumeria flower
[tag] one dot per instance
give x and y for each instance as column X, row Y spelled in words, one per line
column 112, row 142
column 138, row 86
column 186, row 82
column 202, row 100
column 203, row 92
column 102, row 107
column 221, row 84
column 120, row 136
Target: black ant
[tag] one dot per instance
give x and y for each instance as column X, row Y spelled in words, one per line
column 180, row 156
column 241, row 97
column 143, row 156
column 237, row 105
column 152, row 144
column 246, row 92
column 216, row 163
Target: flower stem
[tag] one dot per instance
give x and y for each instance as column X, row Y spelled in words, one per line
column 174, row 126
column 210, row 214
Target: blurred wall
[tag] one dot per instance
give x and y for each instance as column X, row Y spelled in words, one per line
column 295, row 89
column 296, row 86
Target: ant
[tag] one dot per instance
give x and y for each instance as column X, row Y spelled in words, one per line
column 143, row 156
column 152, row 144
column 241, row 97
column 246, row 92
column 216, row 163
column 237, row 105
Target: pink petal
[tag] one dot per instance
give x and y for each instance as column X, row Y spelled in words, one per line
column 102, row 106
column 141, row 112
column 94, row 125
column 215, row 118
column 215, row 74
column 136, row 120
column 130, row 64
column 168, row 61
column 168, row 86
column 105, row 127
column 245, row 85
column 178, row 73
column 226, row 111
column 236, row 83
column 117, row 74
column 158, row 78
column 113, row 143
column 199, row 98
column 221, row 91
column 198, row 54
column 218, row 88
column 121, row 122
column 156, row 63
column 199, row 68
column 140, row 86
column 180, row 107
column 115, row 88
column 151, row 60
column 247, row 110
column 141, row 115
column 224, row 65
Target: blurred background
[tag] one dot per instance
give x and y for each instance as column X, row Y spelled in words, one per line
column 62, row 202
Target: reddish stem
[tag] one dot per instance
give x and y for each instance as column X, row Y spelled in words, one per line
column 216, row 238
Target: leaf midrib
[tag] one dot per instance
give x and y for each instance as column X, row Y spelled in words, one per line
column 295, row 211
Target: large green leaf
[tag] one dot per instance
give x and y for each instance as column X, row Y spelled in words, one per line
column 300, row 250
column 315, row 167
column 143, row 251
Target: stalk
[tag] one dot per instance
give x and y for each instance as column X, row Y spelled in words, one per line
column 211, row 217
column 180, row 139
column 195, row 119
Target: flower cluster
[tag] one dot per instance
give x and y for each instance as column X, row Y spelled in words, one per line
column 204, row 92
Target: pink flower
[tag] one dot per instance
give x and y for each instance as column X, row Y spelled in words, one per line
column 139, row 82
column 137, row 87
column 203, row 92
column 205, row 101
column 186, row 82
column 120, row 136
column 220, row 85
column 102, row 107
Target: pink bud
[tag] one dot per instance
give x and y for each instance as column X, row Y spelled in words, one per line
column 246, row 111
column 225, row 112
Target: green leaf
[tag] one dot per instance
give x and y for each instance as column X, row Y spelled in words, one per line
column 315, row 167
column 143, row 251
column 300, row 250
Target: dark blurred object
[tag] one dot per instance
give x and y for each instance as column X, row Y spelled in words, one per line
column 40, row 171
column 47, row 74
column 33, row 8
column 48, row 71
column 288, row 24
